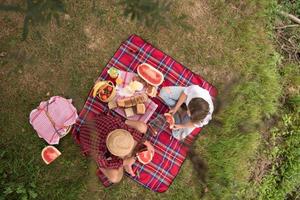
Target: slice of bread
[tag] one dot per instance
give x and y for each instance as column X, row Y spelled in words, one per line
column 151, row 91
column 129, row 112
column 140, row 109
column 112, row 104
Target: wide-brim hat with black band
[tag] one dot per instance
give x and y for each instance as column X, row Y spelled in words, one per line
column 120, row 142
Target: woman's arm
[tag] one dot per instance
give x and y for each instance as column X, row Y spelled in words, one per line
column 180, row 101
column 185, row 125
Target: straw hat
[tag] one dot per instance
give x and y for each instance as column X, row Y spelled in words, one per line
column 120, row 142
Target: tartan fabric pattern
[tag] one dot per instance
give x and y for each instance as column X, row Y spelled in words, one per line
column 93, row 136
column 169, row 152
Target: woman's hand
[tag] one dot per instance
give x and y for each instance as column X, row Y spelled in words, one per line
column 127, row 164
column 173, row 110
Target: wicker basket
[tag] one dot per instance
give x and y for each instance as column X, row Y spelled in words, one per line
column 67, row 131
column 113, row 92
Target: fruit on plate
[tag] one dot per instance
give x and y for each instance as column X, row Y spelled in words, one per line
column 113, row 72
column 144, row 157
column 170, row 119
column 151, row 75
column 109, row 88
column 97, row 86
column 103, row 97
column 49, row 154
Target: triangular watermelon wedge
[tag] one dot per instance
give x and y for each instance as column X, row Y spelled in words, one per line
column 49, row 154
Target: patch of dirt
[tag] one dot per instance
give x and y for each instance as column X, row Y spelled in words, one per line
column 95, row 36
column 261, row 167
column 198, row 9
column 211, row 52
column 31, row 80
column 10, row 22
column 263, row 164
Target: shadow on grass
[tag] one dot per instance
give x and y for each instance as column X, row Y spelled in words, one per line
column 200, row 170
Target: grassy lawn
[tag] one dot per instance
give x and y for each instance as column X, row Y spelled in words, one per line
column 227, row 43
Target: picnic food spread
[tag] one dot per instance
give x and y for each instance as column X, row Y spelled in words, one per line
column 130, row 96
column 49, row 154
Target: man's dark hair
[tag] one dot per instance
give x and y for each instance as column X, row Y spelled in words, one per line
column 198, row 108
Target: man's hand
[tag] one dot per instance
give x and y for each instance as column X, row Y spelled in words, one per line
column 149, row 147
column 127, row 164
column 128, row 161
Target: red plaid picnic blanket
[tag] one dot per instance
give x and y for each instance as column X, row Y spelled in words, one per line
column 169, row 152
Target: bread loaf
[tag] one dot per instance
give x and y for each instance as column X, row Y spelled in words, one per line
column 132, row 101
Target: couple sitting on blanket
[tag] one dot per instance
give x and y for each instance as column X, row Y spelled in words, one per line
column 114, row 143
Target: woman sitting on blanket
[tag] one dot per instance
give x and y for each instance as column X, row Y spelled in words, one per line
column 113, row 144
column 192, row 107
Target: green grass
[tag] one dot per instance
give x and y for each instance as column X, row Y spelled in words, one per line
column 284, row 176
column 232, row 146
column 227, row 43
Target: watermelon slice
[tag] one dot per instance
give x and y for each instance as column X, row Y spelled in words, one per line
column 49, row 154
column 170, row 119
column 144, row 157
column 150, row 74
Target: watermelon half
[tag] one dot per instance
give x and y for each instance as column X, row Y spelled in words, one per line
column 144, row 157
column 49, row 154
column 170, row 119
column 150, row 74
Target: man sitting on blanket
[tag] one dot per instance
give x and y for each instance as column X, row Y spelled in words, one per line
column 113, row 143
